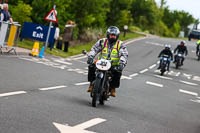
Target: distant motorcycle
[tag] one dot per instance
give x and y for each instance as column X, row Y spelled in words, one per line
column 179, row 59
column 100, row 92
column 163, row 65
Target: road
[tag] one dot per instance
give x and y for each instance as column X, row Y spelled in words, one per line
column 49, row 95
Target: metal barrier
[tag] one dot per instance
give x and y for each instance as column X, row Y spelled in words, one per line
column 9, row 34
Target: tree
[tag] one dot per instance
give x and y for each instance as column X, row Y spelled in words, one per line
column 24, row 10
column 119, row 13
column 89, row 13
column 145, row 11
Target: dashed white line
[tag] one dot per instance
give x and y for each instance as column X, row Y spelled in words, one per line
column 125, row 77
column 163, row 77
column 188, row 92
column 178, row 74
column 133, row 75
column 151, row 67
column 196, row 101
column 188, row 83
column 12, row 93
column 154, row 84
column 143, row 71
column 52, row 88
column 83, row 83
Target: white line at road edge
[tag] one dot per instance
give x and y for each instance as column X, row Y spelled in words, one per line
column 189, row 83
column 52, row 88
column 155, row 84
column 143, row 71
column 163, row 77
column 84, row 83
column 188, row 92
column 12, row 93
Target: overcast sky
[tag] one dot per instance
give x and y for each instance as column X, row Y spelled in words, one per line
column 191, row 6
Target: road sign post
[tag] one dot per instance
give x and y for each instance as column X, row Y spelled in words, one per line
column 52, row 18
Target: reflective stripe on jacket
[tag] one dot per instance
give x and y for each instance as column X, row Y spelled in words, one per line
column 114, row 55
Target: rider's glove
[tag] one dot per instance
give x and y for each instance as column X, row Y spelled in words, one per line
column 90, row 60
column 121, row 67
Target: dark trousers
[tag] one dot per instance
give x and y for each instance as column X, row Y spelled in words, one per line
column 115, row 82
column 66, row 45
column 51, row 45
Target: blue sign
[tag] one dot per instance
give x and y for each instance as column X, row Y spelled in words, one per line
column 37, row 32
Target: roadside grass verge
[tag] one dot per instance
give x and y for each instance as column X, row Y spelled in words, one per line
column 72, row 50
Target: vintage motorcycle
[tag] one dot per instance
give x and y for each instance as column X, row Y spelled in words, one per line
column 101, row 87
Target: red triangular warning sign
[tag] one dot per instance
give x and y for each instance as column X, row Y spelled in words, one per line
column 51, row 16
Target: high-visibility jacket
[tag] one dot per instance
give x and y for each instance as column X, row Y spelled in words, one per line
column 198, row 42
column 114, row 55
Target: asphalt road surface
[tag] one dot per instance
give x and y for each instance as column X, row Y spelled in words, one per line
column 49, row 95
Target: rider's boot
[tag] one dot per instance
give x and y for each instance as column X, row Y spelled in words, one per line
column 90, row 87
column 113, row 92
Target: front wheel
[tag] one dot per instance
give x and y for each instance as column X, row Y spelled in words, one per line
column 95, row 96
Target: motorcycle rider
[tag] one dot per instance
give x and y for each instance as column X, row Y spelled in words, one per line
column 182, row 49
column 113, row 48
column 166, row 52
column 198, row 47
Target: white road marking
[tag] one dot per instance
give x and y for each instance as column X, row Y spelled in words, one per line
column 163, row 77
column 63, row 62
column 125, row 77
column 158, row 62
column 197, row 78
column 133, row 75
column 89, row 123
column 12, row 93
column 68, row 129
column 196, row 101
column 143, row 71
column 134, row 40
column 178, row 74
column 80, row 128
column 188, row 76
column 83, row 83
column 189, row 83
column 151, row 67
column 153, row 43
column 52, row 88
column 155, row 84
column 193, row 51
column 78, row 58
column 188, row 92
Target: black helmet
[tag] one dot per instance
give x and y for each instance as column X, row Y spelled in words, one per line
column 112, row 30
